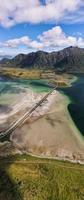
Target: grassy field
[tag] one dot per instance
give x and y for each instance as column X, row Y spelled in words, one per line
column 23, row 73
column 28, row 178
column 36, row 74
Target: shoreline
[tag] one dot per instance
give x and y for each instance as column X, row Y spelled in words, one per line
column 72, row 123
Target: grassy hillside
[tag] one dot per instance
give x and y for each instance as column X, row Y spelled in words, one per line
column 29, row 178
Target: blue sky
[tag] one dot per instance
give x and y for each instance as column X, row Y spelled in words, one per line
column 33, row 30
column 47, row 25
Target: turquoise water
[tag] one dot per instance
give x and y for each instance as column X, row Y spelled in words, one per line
column 17, row 85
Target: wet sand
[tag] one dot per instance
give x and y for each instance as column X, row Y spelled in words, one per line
column 52, row 135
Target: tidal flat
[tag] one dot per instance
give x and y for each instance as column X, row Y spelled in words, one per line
column 50, row 131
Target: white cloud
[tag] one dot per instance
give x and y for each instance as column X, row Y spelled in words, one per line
column 25, row 40
column 16, row 42
column 52, row 39
column 33, row 11
column 56, row 38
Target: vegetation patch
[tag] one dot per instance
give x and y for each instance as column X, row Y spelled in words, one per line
column 29, row 178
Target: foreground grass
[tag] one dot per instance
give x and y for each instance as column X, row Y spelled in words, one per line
column 29, row 178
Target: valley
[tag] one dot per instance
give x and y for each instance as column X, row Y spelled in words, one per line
column 42, row 100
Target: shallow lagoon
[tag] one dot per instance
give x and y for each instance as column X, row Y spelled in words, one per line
column 9, row 89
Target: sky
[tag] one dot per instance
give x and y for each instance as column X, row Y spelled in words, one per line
column 33, row 25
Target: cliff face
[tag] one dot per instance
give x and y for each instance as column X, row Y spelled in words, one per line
column 70, row 59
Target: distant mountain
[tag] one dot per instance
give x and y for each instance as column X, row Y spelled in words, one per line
column 5, row 57
column 70, row 59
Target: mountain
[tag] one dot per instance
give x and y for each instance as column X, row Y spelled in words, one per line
column 5, row 57
column 4, row 60
column 70, row 59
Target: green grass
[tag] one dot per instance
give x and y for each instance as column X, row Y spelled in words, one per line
column 29, row 178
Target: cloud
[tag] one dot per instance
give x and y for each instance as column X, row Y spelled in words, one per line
column 16, row 42
column 53, row 39
column 34, row 11
column 56, row 38
column 25, row 40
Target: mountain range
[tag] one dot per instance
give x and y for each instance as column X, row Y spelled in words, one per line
column 70, row 59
